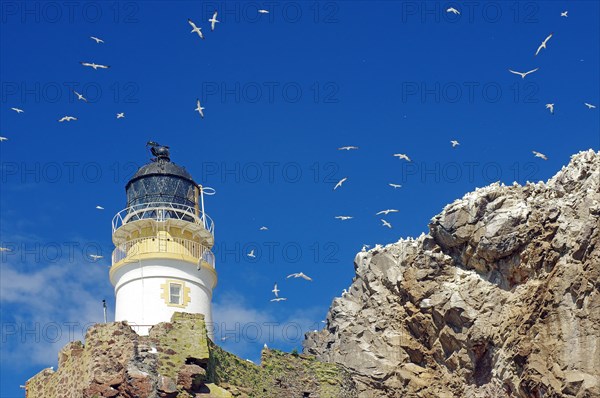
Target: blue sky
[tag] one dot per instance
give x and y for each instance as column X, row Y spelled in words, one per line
column 282, row 92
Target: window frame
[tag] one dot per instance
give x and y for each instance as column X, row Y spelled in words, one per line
column 179, row 294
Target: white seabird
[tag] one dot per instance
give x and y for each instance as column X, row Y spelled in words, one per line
column 299, row 275
column 523, row 74
column 213, row 21
column 195, row 29
column 543, row 45
column 340, row 182
column 199, row 108
column 94, row 65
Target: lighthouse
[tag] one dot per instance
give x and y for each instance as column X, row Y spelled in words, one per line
column 162, row 262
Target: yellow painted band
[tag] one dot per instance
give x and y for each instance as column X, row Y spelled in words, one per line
column 152, row 256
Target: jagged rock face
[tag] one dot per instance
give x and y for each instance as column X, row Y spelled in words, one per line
column 500, row 299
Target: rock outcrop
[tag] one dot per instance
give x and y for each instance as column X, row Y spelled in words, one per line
column 500, row 299
column 177, row 360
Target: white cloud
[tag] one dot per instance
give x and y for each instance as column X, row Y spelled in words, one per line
column 46, row 308
column 247, row 328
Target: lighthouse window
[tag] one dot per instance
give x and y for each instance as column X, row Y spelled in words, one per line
column 175, row 293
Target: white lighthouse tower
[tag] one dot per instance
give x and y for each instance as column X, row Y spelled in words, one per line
column 162, row 262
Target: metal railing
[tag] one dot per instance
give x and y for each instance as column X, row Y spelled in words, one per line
column 162, row 211
column 148, row 245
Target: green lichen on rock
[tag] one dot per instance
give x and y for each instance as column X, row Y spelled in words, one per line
column 280, row 374
column 217, row 392
column 182, row 341
column 227, row 369
column 300, row 374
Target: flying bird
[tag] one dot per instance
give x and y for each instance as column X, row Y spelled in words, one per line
column 199, row 108
column 121, row 115
column 343, row 218
column 224, row 338
column 299, row 275
column 95, row 66
column 275, row 290
column 386, row 212
column 251, row 254
column 395, row 185
column 564, row 14
column 67, row 118
column 18, row 110
column 523, row 74
column 543, row 45
column 99, row 207
column 3, row 139
column 279, row 299
column 263, row 11
column 340, row 182
column 453, row 10
column 347, row 148
column 386, row 224
column 454, row 143
column 80, row 96
column 213, row 21
column 540, row 155
column 263, row 228
column 195, row 29
column 590, row 106
column 402, row 156
column 551, row 107
column 95, row 257
column 96, row 39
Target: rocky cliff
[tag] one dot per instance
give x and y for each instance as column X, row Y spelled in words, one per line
column 500, row 299
column 177, row 360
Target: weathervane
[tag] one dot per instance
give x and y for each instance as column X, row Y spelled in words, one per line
column 160, row 151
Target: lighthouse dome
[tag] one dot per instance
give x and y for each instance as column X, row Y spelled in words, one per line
column 161, row 181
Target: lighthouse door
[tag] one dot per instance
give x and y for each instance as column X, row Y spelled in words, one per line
column 162, row 244
column 163, row 238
